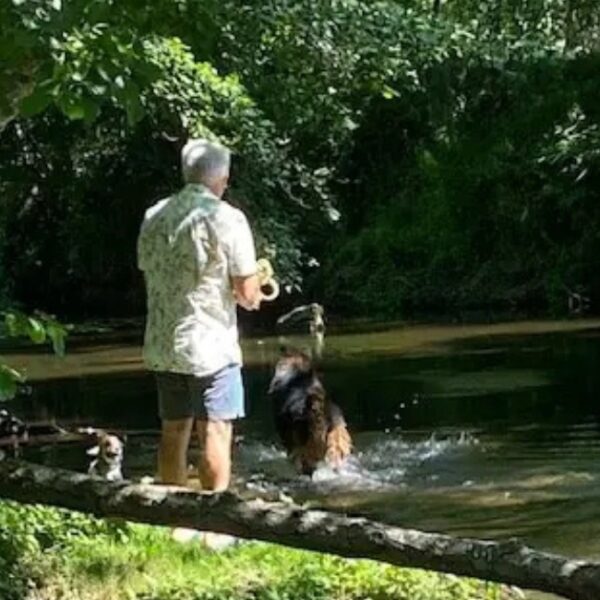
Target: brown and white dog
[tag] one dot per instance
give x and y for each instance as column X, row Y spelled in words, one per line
column 108, row 456
column 311, row 427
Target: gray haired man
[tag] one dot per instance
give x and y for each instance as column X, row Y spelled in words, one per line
column 198, row 258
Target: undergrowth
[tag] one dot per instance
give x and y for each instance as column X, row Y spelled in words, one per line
column 51, row 554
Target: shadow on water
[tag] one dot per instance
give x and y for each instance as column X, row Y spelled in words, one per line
column 489, row 431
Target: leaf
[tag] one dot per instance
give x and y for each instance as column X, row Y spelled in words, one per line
column 388, row 93
column 35, row 103
column 133, row 104
column 10, row 320
column 36, row 331
column 350, row 124
column 73, row 107
column 58, row 335
column 9, row 380
column 91, row 109
column 16, row 324
column 79, row 108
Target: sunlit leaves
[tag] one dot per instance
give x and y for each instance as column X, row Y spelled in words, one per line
column 39, row 328
column 79, row 56
column 9, row 382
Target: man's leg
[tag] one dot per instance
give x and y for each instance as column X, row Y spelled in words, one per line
column 177, row 415
column 172, row 453
column 215, row 455
column 222, row 402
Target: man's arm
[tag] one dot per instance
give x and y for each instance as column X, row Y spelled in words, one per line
column 247, row 292
column 242, row 267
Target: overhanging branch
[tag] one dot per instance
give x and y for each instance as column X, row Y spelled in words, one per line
column 292, row 525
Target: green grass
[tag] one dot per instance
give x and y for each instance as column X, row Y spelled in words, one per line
column 56, row 555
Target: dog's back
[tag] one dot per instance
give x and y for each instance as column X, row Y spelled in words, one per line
column 311, row 427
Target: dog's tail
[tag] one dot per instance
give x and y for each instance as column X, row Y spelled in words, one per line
column 339, row 444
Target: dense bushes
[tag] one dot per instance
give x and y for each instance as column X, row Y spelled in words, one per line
column 463, row 150
column 74, row 193
column 458, row 144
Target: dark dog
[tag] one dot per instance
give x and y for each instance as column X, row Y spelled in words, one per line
column 108, row 455
column 311, row 427
column 12, row 431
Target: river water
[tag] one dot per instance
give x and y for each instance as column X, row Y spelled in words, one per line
column 490, row 431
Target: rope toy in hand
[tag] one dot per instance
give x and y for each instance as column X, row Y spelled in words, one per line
column 268, row 285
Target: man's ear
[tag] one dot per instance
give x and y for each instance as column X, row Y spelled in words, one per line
column 93, row 451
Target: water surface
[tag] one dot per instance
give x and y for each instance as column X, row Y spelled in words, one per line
column 489, row 431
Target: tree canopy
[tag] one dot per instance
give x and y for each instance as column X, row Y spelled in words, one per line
column 392, row 157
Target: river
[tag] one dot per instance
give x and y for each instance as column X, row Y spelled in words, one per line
column 489, row 431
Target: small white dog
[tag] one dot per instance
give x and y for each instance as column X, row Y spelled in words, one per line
column 108, row 459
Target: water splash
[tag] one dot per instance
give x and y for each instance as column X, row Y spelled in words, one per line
column 378, row 463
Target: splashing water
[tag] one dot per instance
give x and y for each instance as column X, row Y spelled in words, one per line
column 378, row 463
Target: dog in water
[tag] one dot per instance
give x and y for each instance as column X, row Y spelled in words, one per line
column 311, row 427
column 108, row 457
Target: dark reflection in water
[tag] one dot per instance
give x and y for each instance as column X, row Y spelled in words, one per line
column 487, row 435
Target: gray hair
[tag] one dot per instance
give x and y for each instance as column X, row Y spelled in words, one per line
column 203, row 161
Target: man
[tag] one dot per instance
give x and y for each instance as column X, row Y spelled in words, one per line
column 198, row 258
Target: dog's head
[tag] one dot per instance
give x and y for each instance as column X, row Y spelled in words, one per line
column 108, row 450
column 292, row 366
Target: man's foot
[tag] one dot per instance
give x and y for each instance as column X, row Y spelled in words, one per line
column 209, row 539
column 218, row 541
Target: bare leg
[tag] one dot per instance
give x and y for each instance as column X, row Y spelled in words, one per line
column 172, row 453
column 215, row 458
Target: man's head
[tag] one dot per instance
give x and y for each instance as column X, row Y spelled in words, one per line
column 206, row 163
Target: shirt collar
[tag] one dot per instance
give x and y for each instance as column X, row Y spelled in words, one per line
column 199, row 189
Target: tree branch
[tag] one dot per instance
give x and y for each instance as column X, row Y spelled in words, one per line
column 292, row 525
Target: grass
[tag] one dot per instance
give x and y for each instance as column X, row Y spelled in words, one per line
column 50, row 559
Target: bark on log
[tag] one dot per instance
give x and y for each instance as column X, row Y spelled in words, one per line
column 292, row 525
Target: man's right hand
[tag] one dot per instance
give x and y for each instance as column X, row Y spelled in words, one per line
column 247, row 292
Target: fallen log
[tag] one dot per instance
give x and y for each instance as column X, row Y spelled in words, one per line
column 289, row 524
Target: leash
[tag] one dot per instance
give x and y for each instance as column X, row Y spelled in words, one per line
column 268, row 285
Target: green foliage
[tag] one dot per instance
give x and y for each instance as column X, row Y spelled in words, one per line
column 39, row 329
column 29, row 533
column 60, row 554
column 428, row 154
column 69, row 181
column 440, row 138
column 77, row 56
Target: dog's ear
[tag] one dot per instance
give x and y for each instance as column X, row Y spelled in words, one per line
column 100, row 435
column 93, row 451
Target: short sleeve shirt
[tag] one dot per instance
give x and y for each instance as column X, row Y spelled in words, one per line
column 189, row 247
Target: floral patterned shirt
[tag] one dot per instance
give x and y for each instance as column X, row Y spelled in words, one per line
column 189, row 247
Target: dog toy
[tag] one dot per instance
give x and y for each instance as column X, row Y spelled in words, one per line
column 268, row 285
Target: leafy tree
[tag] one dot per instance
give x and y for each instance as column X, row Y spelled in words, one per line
column 431, row 154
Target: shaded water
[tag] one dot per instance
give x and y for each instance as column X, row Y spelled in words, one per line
column 490, row 431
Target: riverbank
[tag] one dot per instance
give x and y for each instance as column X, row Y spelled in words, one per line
column 48, row 554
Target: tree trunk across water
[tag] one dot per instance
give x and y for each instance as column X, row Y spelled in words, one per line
column 293, row 525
